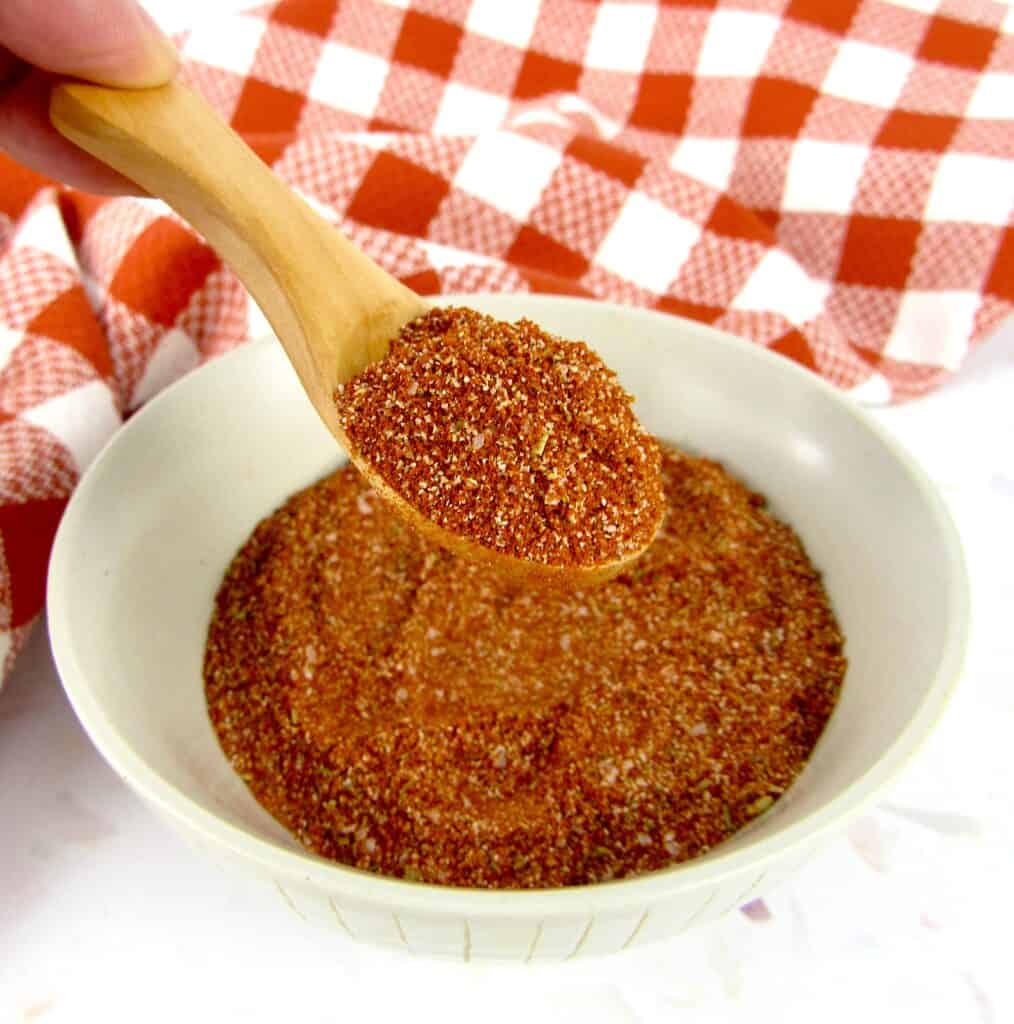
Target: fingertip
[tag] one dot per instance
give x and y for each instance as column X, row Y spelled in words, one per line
column 164, row 57
column 148, row 58
column 110, row 42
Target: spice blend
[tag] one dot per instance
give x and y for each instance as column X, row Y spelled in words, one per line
column 409, row 713
column 509, row 436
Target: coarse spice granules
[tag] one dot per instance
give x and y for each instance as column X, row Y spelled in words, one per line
column 509, row 436
column 409, row 713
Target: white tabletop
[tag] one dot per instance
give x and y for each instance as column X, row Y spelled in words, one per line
column 106, row 915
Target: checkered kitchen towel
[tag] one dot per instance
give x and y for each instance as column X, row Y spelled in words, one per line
column 833, row 179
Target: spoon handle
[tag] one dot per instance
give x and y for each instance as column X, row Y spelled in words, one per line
column 331, row 306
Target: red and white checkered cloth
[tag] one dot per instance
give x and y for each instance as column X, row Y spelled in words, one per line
column 833, row 179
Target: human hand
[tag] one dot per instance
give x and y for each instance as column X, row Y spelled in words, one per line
column 111, row 42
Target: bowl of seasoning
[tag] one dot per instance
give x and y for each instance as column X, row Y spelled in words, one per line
column 419, row 753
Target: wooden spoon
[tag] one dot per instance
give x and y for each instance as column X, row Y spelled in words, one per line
column 333, row 309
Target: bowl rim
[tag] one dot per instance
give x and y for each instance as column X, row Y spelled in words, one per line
column 303, row 867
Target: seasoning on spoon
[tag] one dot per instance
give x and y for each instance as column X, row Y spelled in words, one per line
column 510, row 437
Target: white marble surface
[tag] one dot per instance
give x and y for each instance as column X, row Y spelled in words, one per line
column 105, row 915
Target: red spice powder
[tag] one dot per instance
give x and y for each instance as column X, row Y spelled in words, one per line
column 512, row 437
column 411, row 714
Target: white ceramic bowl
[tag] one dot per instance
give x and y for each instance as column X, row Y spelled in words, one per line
column 153, row 524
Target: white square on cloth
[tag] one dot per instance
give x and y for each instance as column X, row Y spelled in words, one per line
column 175, row 355
column 44, row 230
column 621, row 36
column 348, row 79
column 779, row 284
column 81, row 419
column 707, row 160
column 509, row 21
column 468, row 111
column 9, row 341
column 932, row 328
column 993, row 96
column 924, row 6
column 822, row 177
column 868, row 74
column 228, row 43
column 648, row 243
column 736, row 44
column 508, row 171
column 972, row 188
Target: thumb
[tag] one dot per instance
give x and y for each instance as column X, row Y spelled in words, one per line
column 112, row 42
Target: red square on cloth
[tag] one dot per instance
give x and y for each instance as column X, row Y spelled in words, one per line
column 778, row 107
column 27, row 530
column 833, row 15
column 398, row 196
column 689, row 310
column 1001, row 278
column 950, row 41
column 730, row 219
column 163, row 268
column 268, row 117
column 538, row 250
column 618, row 163
column 540, row 75
column 795, row 346
column 428, row 42
column 905, row 129
column 878, row 251
column 542, row 282
column 20, row 186
column 70, row 320
column 662, row 102
column 314, row 16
